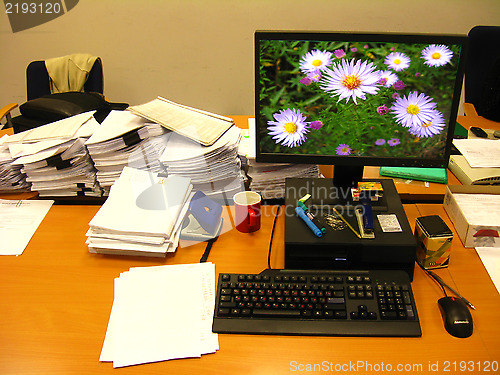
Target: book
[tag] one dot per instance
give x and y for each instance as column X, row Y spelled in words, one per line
column 201, row 126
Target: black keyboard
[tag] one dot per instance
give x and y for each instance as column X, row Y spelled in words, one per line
column 336, row 303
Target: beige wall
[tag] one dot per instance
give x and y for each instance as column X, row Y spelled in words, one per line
column 200, row 52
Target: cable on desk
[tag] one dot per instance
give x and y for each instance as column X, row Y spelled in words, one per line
column 431, row 274
column 271, row 240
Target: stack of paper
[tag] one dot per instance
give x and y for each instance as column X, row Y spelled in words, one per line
column 161, row 313
column 201, row 126
column 11, row 177
column 215, row 170
column 142, row 215
column 59, row 165
column 124, row 139
column 268, row 179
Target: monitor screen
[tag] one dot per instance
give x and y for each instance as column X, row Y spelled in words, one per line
column 354, row 100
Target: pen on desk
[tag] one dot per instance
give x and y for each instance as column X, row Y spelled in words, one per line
column 311, row 216
column 300, row 211
column 441, row 281
column 345, row 221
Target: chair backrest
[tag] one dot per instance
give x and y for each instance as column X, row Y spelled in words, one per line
column 38, row 84
column 482, row 71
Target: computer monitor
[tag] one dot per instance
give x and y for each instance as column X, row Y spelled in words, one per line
column 353, row 100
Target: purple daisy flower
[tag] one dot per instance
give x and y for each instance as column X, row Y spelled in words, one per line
column 380, row 142
column 343, row 149
column 289, row 129
column 393, row 142
column 315, row 60
column 431, row 128
column 414, row 110
column 350, row 79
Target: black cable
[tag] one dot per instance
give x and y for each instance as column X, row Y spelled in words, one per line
column 271, row 240
column 433, row 276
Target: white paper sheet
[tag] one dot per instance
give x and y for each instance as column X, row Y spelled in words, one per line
column 490, row 256
column 480, row 152
column 19, row 220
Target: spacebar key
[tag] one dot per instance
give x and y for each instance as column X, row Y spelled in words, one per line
column 261, row 313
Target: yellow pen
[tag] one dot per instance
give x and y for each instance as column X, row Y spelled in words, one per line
column 345, row 221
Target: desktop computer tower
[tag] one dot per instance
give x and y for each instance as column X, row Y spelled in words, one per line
column 340, row 249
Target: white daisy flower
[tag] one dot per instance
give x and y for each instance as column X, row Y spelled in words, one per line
column 314, row 61
column 351, row 79
column 387, row 78
column 436, row 55
column 414, row 111
column 289, row 129
column 397, row 61
column 430, row 128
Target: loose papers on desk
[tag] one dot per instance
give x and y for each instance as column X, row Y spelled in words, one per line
column 480, row 152
column 490, row 257
column 268, row 179
column 161, row 313
column 142, row 216
column 215, row 170
column 124, row 139
column 19, row 219
column 202, row 126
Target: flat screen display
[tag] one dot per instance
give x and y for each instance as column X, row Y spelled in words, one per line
column 357, row 99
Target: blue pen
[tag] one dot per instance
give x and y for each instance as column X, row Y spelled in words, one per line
column 300, row 211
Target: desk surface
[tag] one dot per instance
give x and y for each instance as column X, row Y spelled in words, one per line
column 55, row 302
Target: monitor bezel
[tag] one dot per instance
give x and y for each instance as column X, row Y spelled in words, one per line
column 360, row 161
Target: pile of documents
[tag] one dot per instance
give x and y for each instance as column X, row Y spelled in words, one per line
column 161, row 313
column 142, row 216
column 124, row 139
column 11, row 177
column 268, row 179
column 54, row 159
column 214, row 170
column 201, row 126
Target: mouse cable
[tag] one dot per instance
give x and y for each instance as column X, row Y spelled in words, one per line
column 271, row 240
column 433, row 276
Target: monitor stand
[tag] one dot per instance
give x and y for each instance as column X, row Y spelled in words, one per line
column 338, row 248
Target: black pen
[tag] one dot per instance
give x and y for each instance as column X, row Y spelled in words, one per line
column 441, row 281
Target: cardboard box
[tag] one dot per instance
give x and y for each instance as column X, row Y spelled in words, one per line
column 476, row 221
column 433, row 242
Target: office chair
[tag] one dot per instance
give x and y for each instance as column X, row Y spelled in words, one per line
column 482, row 73
column 38, row 80
column 38, row 85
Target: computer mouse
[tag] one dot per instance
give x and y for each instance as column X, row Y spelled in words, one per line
column 456, row 316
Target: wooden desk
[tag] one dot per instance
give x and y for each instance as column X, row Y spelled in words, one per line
column 55, row 302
